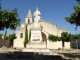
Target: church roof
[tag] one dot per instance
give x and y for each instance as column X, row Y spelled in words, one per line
column 29, row 15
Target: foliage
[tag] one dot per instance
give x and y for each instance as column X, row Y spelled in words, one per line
column 65, row 36
column 52, row 37
column 10, row 37
column 0, row 7
column 74, row 17
column 1, row 24
column 0, row 36
column 78, row 1
column 29, row 35
column 10, row 19
column 26, row 37
column 76, row 36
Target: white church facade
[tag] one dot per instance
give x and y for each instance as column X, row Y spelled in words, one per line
column 47, row 28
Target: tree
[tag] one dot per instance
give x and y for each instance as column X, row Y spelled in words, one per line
column 0, row 36
column 1, row 22
column 11, row 37
column 75, row 17
column 76, row 37
column 26, row 37
column 78, row 1
column 65, row 37
column 29, row 35
column 9, row 20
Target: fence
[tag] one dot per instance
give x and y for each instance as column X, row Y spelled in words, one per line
column 8, row 43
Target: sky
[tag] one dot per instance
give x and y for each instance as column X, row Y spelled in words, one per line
column 53, row 11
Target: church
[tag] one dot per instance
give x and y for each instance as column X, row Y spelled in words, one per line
column 47, row 28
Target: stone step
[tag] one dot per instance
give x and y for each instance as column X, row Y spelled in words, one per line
column 33, row 56
column 35, row 50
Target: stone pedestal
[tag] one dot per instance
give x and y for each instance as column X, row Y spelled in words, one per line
column 36, row 45
column 36, row 34
column 36, row 39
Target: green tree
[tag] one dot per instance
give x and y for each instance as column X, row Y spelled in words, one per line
column 52, row 38
column 65, row 37
column 75, row 17
column 1, row 22
column 26, row 37
column 11, row 37
column 9, row 20
column 76, row 36
column 29, row 35
column 0, row 36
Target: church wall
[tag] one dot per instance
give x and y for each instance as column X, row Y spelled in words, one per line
column 50, row 28
column 19, row 42
column 60, row 30
column 28, row 20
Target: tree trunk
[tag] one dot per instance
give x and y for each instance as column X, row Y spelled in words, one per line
column 5, row 38
column 63, row 47
column 11, row 44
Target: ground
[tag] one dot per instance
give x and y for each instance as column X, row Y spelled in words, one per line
column 66, row 54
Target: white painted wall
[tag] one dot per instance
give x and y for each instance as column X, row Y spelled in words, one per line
column 57, row 44
column 48, row 28
column 18, row 42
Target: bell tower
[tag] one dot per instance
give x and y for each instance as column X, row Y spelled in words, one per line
column 28, row 18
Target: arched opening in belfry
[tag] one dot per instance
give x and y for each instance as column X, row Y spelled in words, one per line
column 28, row 21
column 44, row 38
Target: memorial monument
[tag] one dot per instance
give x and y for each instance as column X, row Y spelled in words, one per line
column 36, row 32
column 36, row 43
column 36, row 29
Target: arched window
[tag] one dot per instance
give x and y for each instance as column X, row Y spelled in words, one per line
column 21, row 35
column 28, row 21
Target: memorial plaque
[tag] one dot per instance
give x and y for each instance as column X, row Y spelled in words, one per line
column 36, row 35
